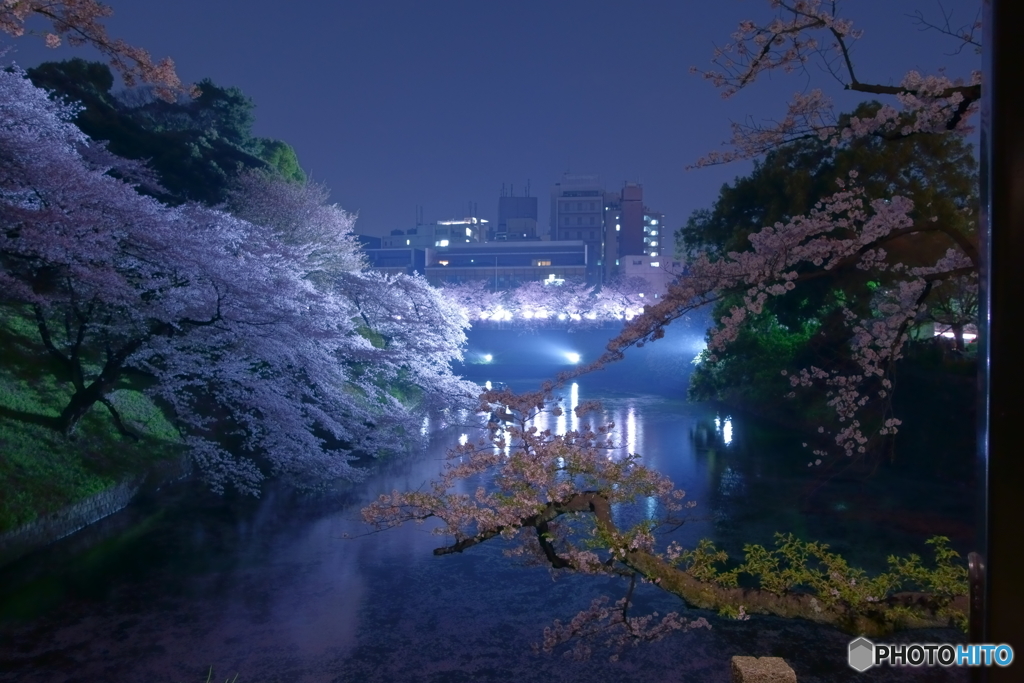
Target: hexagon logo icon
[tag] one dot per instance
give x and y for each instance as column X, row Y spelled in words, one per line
column 862, row 654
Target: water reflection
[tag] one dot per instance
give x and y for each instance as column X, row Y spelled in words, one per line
column 274, row 590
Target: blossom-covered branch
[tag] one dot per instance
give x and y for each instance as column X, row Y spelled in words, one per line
column 80, row 23
column 551, row 497
column 927, row 103
column 845, row 231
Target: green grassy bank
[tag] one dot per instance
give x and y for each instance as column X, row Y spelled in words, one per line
column 41, row 470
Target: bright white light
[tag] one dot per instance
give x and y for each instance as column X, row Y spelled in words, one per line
column 968, row 336
column 727, row 431
column 655, row 264
column 469, row 232
column 574, row 316
column 487, row 359
column 572, row 356
column 590, row 316
column 541, row 313
column 442, row 243
column 561, row 316
column 463, row 438
column 654, row 222
column 487, row 385
column 527, row 314
column 641, row 295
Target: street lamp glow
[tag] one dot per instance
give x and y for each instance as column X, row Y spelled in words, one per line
column 572, row 356
column 488, row 358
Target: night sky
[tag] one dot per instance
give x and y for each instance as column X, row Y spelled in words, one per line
column 395, row 104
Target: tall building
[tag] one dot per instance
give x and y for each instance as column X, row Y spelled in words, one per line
column 613, row 225
column 517, row 218
column 577, row 213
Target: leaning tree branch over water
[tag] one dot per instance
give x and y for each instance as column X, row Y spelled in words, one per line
column 552, row 496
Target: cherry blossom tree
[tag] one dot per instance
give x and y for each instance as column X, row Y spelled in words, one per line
column 80, row 23
column 535, row 304
column 241, row 328
column 474, row 298
column 298, row 213
column 621, row 299
column 847, row 230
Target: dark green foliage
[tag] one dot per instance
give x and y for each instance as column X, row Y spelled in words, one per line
column 938, row 172
column 196, row 146
column 795, row 565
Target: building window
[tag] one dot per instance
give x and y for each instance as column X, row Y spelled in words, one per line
column 542, row 262
column 654, row 264
column 591, row 220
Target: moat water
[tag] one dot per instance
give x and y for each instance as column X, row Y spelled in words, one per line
column 291, row 588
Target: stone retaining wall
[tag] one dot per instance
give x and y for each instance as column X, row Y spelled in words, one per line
column 46, row 529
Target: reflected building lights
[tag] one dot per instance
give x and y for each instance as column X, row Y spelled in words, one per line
column 631, row 430
column 574, row 400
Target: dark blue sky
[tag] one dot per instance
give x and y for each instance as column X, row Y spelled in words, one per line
column 395, row 104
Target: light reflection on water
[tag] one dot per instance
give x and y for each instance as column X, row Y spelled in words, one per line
column 275, row 590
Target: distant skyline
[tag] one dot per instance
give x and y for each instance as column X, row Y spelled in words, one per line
column 397, row 104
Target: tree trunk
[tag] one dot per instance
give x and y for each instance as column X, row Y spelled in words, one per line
column 78, row 406
column 958, row 335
